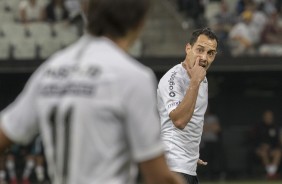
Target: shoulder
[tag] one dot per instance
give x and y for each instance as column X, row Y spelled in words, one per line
column 58, row 59
column 136, row 71
column 68, row 53
column 175, row 74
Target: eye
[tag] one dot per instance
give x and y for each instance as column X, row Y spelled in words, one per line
column 211, row 54
column 200, row 50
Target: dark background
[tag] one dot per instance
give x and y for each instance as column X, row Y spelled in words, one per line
column 240, row 89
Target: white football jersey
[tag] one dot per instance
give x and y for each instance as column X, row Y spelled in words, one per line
column 182, row 146
column 95, row 108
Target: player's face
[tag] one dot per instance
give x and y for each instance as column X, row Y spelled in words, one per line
column 204, row 48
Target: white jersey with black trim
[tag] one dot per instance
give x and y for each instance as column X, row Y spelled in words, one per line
column 95, row 108
column 181, row 146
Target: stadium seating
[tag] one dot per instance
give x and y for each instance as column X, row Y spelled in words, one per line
column 24, row 48
column 48, row 46
column 6, row 17
column 39, row 30
column 14, row 31
column 66, row 33
column 5, row 48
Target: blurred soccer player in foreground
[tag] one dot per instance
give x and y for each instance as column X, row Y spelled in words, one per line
column 94, row 105
column 182, row 103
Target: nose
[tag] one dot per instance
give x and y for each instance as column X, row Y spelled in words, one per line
column 204, row 56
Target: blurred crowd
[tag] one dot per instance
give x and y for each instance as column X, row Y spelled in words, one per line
column 244, row 27
column 52, row 11
column 43, row 26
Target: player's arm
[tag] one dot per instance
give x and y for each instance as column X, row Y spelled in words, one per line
column 5, row 142
column 155, row 171
column 182, row 114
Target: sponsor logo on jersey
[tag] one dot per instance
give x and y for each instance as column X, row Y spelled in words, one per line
column 59, row 87
column 64, row 72
column 171, row 84
column 173, row 104
column 172, row 94
column 77, row 89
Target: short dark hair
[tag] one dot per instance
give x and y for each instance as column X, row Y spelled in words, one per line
column 115, row 18
column 204, row 31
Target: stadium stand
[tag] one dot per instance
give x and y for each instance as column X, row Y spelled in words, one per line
column 39, row 30
column 5, row 48
column 24, row 48
column 48, row 46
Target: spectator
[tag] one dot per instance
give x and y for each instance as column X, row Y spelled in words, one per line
column 241, row 6
column 241, row 38
column 272, row 33
column 269, row 6
column 258, row 22
column 271, row 37
column 222, row 23
column 76, row 17
column 31, row 11
column 268, row 146
column 56, row 11
column 211, row 146
column 73, row 7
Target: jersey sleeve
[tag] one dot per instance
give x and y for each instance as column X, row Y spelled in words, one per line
column 170, row 92
column 19, row 119
column 142, row 122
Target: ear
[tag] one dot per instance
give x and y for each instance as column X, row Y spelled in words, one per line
column 188, row 48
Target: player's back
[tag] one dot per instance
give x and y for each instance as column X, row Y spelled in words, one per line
column 82, row 98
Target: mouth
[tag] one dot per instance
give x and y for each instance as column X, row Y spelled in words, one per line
column 203, row 64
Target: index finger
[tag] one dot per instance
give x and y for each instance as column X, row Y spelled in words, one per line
column 197, row 62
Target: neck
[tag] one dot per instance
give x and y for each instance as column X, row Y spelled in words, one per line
column 127, row 41
column 122, row 43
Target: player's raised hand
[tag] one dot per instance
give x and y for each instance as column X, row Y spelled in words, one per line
column 197, row 72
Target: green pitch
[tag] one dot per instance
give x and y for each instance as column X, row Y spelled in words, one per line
column 240, row 182
column 244, row 182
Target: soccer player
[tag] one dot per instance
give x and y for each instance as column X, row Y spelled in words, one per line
column 94, row 105
column 182, row 102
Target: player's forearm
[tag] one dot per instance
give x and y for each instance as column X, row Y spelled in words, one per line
column 184, row 111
